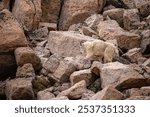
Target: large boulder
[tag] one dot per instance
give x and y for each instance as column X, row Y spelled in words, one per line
column 50, row 10
column 124, row 76
column 11, row 34
column 67, row 44
column 19, row 89
column 28, row 13
column 110, row 29
column 77, row 11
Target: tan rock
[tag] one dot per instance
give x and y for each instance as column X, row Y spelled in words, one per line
column 123, row 76
column 26, row 71
column 11, row 34
column 110, row 30
column 64, row 70
column 115, row 14
column 133, row 55
column 93, row 21
column 131, row 19
column 25, row 55
column 143, row 6
column 67, row 44
column 129, row 3
column 45, row 95
column 50, row 10
column 74, row 92
column 78, row 76
column 108, row 93
column 139, row 98
column 77, row 11
column 28, row 13
column 19, row 89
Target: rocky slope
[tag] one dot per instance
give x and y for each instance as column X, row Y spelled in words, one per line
column 42, row 53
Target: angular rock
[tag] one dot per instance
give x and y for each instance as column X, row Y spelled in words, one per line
column 28, row 13
column 87, row 31
column 131, row 19
column 74, row 92
column 64, row 70
column 45, row 95
column 77, row 11
column 19, row 89
column 110, row 30
column 133, row 92
column 93, row 21
column 108, row 93
column 67, row 44
column 50, row 10
column 25, row 55
column 11, row 34
column 143, row 6
column 51, row 64
column 133, row 55
column 78, row 76
column 123, row 76
column 26, row 71
column 115, row 14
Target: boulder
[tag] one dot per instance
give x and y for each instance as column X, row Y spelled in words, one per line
column 67, row 44
column 108, row 93
column 87, row 95
column 50, row 10
column 123, row 76
column 131, row 19
column 77, row 11
column 45, row 95
column 115, row 14
column 143, row 6
column 28, row 13
column 133, row 55
column 11, row 34
column 96, row 67
column 26, row 71
column 74, row 92
column 25, row 55
column 78, row 76
column 110, row 30
column 19, row 89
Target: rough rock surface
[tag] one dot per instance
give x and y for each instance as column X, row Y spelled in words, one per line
column 75, row 49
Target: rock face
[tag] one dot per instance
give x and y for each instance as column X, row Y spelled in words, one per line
column 77, row 11
column 28, row 13
column 67, row 44
column 50, row 10
column 11, row 34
